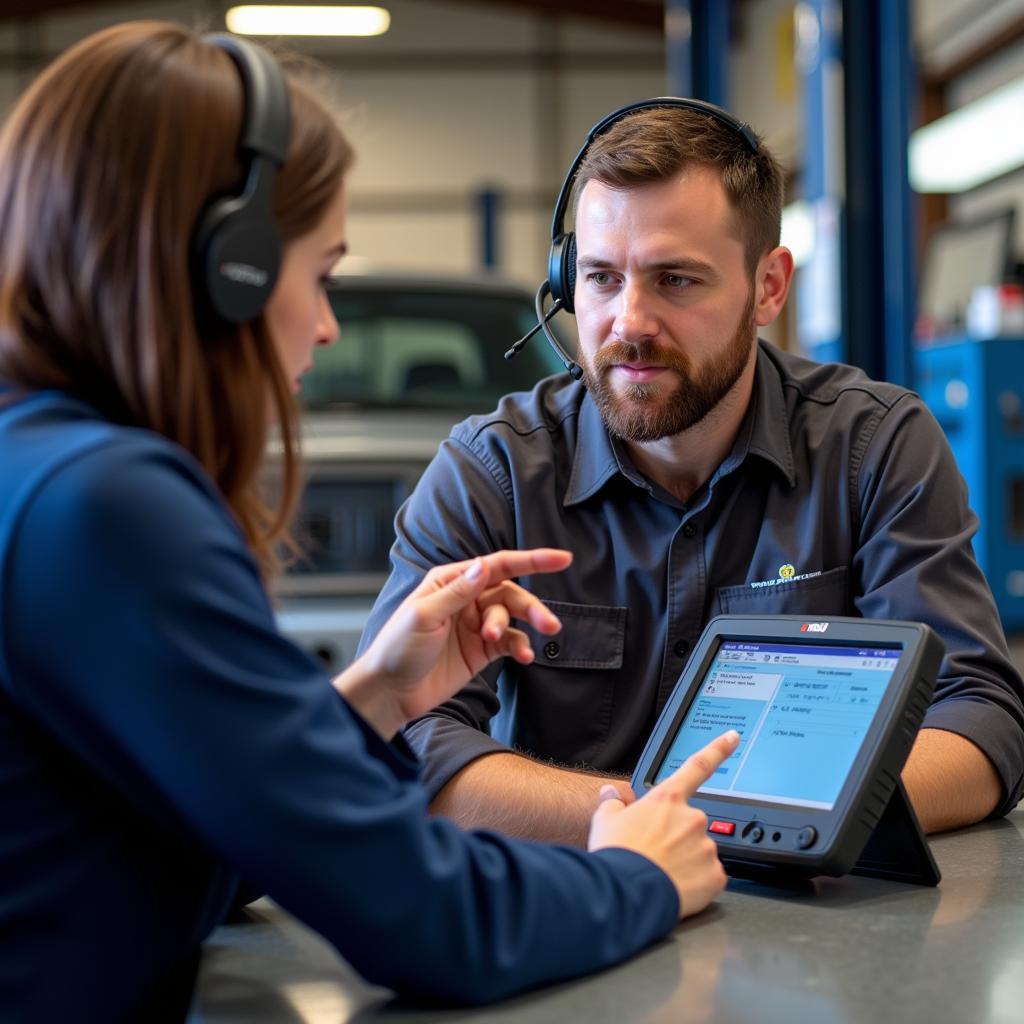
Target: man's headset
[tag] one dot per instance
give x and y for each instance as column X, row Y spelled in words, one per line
column 236, row 249
column 561, row 280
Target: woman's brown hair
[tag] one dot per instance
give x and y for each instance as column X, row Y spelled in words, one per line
column 105, row 165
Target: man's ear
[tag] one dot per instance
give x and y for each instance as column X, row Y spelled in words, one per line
column 771, row 284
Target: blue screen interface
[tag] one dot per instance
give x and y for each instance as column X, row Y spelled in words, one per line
column 802, row 712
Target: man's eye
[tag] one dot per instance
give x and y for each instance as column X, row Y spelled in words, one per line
column 599, row 277
column 677, row 281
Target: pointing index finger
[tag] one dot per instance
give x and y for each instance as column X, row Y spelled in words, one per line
column 699, row 767
column 503, row 565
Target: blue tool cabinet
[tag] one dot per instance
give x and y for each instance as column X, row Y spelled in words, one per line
column 975, row 388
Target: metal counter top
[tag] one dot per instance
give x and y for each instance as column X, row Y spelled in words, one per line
column 831, row 951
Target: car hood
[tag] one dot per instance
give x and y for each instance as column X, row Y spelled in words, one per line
column 376, row 434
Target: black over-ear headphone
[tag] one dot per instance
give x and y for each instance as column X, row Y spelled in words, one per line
column 561, row 281
column 236, row 249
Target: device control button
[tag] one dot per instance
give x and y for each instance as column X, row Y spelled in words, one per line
column 753, row 832
column 723, row 828
column 806, row 837
column 689, row 530
column 552, row 650
column 681, row 648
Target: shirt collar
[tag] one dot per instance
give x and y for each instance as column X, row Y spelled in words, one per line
column 765, row 433
column 595, row 461
column 769, row 432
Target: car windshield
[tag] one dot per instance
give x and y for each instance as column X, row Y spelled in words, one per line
column 426, row 348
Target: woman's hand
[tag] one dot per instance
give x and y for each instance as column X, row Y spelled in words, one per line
column 663, row 827
column 454, row 624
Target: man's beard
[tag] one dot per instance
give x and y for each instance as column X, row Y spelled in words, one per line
column 640, row 412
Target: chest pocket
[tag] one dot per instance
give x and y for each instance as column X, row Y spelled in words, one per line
column 826, row 594
column 592, row 637
column 560, row 705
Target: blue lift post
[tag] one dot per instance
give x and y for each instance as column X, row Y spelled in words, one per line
column 864, row 257
column 820, row 281
column 697, row 49
column 879, row 292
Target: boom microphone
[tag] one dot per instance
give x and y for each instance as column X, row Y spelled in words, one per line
column 575, row 370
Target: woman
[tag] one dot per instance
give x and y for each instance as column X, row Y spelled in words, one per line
column 158, row 738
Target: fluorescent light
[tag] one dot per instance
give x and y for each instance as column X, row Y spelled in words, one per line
column 972, row 145
column 307, row 20
column 798, row 231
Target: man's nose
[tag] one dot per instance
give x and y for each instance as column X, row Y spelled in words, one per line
column 634, row 318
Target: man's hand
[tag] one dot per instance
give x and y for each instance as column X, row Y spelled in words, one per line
column 664, row 828
column 454, row 624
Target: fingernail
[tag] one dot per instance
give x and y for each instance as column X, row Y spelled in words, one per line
column 474, row 571
column 732, row 736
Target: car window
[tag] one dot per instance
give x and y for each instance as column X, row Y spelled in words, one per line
column 408, row 348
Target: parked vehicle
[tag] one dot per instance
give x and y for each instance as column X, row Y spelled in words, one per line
column 416, row 355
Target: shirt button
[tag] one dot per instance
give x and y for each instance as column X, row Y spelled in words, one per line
column 552, row 650
column 681, row 647
column 689, row 530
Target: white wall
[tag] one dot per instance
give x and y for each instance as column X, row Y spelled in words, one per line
column 454, row 98
column 457, row 97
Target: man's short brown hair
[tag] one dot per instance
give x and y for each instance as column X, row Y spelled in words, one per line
column 657, row 143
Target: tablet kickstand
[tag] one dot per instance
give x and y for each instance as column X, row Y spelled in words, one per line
column 897, row 849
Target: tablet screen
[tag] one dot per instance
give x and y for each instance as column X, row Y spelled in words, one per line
column 802, row 712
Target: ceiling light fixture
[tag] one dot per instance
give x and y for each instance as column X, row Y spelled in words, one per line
column 980, row 141
column 307, row 20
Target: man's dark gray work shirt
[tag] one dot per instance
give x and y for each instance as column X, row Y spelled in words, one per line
column 840, row 497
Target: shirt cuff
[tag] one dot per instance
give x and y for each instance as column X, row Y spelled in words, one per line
column 993, row 732
column 655, row 889
column 445, row 747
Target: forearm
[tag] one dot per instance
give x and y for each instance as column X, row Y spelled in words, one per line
column 524, row 798
column 950, row 782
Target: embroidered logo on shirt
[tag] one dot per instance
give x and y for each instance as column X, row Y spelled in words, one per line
column 787, row 574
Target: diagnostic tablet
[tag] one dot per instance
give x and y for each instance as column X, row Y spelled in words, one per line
column 827, row 713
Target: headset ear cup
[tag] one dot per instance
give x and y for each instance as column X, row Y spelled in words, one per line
column 202, row 278
column 237, row 261
column 569, row 273
column 562, row 270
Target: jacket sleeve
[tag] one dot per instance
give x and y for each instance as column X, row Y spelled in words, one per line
column 461, row 508
column 915, row 561
column 138, row 635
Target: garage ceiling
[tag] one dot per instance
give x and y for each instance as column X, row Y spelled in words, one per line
column 638, row 13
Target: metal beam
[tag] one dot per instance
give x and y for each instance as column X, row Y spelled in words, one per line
column 647, row 14
column 10, row 9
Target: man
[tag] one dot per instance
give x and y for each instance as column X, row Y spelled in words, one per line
column 698, row 471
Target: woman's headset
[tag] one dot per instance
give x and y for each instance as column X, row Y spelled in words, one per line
column 236, row 249
column 561, row 280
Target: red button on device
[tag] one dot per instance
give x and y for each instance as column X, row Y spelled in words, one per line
column 725, row 828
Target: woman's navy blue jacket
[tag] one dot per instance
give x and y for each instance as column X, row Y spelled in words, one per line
column 159, row 739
